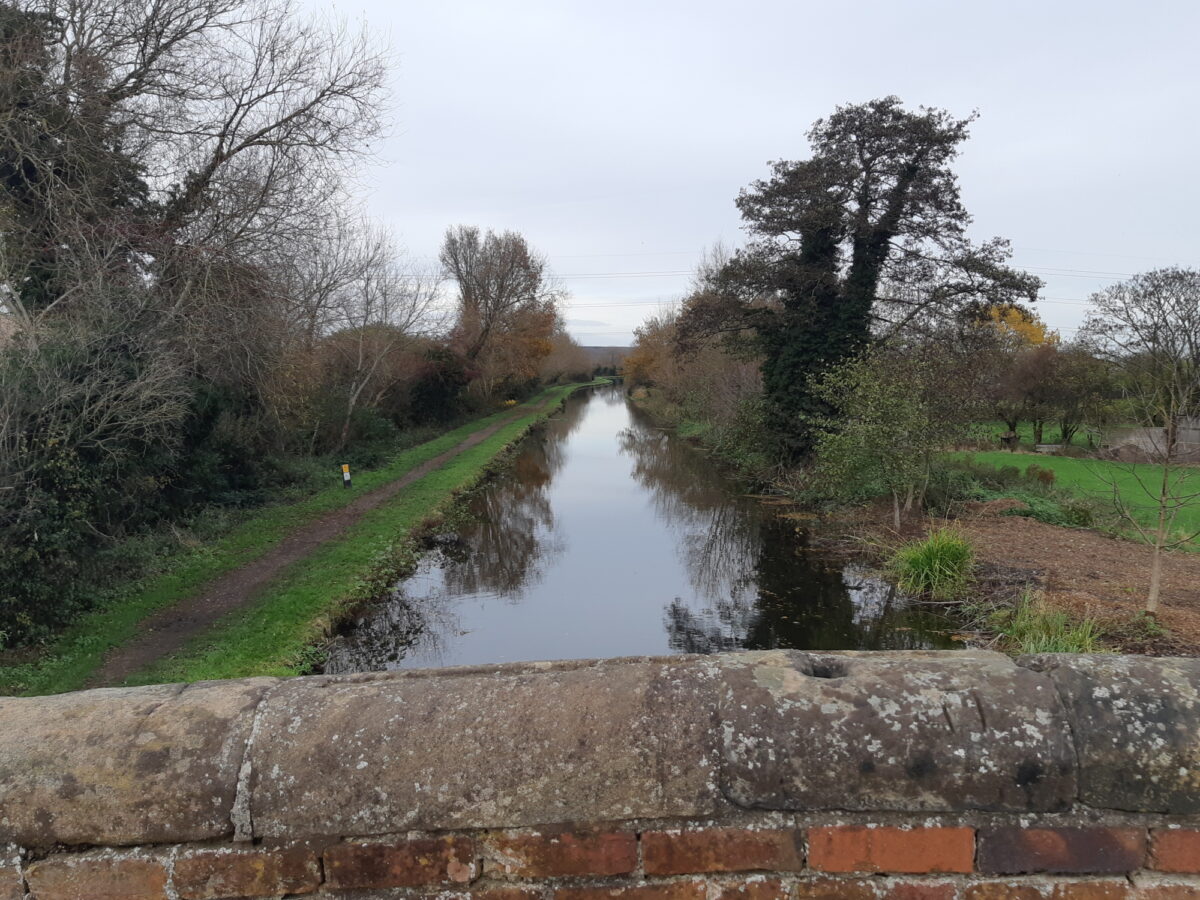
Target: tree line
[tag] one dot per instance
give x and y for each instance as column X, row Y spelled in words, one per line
column 192, row 303
column 860, row 333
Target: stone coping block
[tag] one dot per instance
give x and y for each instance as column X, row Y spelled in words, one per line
column 121, row 766
column 1136, row 727
column 881, row 731
column 505, row 746
column 685, row 737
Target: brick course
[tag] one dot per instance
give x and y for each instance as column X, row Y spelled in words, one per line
column 721, row 850
column 1013, row 850
column 712, row 862
column 553, row 855
column 448, row 860
column 899, row 850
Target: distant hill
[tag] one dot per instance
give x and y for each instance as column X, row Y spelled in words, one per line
column 606, row 356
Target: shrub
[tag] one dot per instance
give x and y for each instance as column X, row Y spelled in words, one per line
column 1042, row 476
column 954, row 481
column 939, row 566
column 1032, row 627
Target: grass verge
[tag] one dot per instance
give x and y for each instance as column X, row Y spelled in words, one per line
column 294, row 610
column 1094, row 479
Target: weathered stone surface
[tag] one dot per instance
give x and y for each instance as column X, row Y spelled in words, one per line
column 1136, row 722
column 124, row 766
column 893, row 731
column 493, row 747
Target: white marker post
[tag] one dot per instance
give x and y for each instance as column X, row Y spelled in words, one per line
column 346, row 475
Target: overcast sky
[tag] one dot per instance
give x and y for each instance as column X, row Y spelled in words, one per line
column 616, row 135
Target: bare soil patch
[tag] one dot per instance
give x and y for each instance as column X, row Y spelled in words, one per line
column 1092, row 574
column 1086, row 573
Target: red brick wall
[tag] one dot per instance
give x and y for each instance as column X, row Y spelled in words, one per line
column 749, row 776
column 762, row 860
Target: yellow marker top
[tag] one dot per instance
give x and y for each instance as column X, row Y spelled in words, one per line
column 346, row 468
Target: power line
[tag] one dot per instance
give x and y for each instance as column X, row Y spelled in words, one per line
column 624, row 274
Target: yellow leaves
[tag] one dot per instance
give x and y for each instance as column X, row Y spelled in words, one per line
column 1025, row 327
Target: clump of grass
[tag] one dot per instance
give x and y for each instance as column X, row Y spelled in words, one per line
column 1145, row 627
column 939, row 566
column 1033, row 627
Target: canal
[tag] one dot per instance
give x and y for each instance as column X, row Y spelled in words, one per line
column 609, row 536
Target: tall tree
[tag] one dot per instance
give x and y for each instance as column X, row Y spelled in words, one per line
column 1149, row 327
column 497, row 274
column 867, row 234
column 507, row 309
column 157, row 162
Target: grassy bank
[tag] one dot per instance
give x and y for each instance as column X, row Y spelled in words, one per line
column 735, row 445
column 1094, row 479
column 274, row 635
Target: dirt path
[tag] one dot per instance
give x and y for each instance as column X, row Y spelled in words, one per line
column 169, row 629
column 1093, row 574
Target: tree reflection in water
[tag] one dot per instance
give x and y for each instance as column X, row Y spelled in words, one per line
column 756, row 586
column 620, row 539
column 501, row 553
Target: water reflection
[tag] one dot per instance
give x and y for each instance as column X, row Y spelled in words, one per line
column 609, row 537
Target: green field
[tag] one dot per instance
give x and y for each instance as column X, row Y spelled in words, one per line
column 1096, row 479
column 276, row 633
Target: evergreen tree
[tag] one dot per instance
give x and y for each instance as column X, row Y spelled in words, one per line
column 867, row 233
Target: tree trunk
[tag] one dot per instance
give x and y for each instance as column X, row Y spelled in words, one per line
column 350, row 406
column 1067, row 430
column 1155, row 580
column 1038, row 429
column 896, row 509
column 1160, row 532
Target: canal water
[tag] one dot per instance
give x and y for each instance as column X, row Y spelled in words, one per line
column 609, row 536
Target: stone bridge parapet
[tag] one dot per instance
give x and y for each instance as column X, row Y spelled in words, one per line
column 774, row 775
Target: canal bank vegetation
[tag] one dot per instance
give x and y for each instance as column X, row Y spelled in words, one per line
column 192, row 328
column 281, row 631
column 862, row 353
column 938, row 566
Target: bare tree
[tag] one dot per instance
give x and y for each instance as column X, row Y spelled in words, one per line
column 389, row 305
column 497, row 275
column 161, row 163
column 1149, row 328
